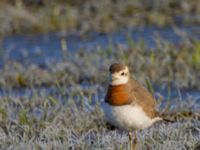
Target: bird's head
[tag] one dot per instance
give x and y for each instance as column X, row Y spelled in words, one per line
column 119, row 74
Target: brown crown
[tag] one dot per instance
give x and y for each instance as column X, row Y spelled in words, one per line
column 116, row 67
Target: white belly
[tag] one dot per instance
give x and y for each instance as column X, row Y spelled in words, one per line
column 127, row 116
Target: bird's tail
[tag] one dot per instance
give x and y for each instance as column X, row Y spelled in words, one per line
column 168, row 120
column 164, row 118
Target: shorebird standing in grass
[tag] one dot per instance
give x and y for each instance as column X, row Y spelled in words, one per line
column 128, row 105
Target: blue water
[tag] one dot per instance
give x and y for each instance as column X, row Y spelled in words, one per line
column 41, row 48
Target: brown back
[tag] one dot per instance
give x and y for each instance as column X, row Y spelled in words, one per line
column 144, row 98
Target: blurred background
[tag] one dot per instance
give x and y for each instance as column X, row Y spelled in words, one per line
column 54, row 60
column 32, row 16
column 159, row 40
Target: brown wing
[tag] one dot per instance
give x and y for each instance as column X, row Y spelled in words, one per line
column 141, row 96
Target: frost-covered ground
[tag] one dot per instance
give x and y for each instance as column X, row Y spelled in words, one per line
column 73, row 119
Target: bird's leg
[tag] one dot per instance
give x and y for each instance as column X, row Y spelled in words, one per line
column 135, row 138
column 133, row 142
column 130, row 139
column 130, row 136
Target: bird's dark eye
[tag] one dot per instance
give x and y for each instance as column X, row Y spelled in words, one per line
column 122, row 73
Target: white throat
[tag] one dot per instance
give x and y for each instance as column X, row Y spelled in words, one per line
column 119, row 81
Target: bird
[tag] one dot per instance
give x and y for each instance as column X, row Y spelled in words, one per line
column 127, row 104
